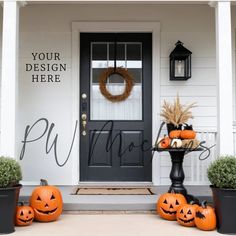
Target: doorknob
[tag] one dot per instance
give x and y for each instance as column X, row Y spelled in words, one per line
column 84, row 116
column 84, row 95
column 84, row 123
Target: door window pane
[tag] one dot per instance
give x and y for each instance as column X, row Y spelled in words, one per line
column 129, row 56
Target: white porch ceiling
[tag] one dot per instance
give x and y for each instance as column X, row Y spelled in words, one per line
column 116, row 2
column 162, row 2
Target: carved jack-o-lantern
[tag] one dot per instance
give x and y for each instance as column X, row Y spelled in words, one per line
column 168, row 204
column 47, row 202
column 24, row 215
column 186, row 214
column 205, row 218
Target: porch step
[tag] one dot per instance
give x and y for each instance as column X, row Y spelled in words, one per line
column 115, row 202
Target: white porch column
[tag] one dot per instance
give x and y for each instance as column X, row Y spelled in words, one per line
column 9, row 77
column 224, row 76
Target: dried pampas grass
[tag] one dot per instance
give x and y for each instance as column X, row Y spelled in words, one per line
column 176, row 113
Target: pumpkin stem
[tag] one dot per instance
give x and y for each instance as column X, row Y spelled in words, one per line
column 204, row 204
column 20, row 204
column 192, row 202
column 43, row 182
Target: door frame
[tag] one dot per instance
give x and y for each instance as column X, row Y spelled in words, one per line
column 111, row 27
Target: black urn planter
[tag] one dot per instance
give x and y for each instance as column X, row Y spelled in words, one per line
column 8, row 202
column 224, row 203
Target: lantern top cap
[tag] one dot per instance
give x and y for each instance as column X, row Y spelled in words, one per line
column 180, row 49
column 179, row 43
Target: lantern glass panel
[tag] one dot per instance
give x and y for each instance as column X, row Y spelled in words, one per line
column 179, row 68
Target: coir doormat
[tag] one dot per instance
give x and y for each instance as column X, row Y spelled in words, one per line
column 114, row 191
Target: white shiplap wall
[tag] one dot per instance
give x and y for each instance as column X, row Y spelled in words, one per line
column 233, row 12
column 51, row 31
column 1, row 18
column 201, row 88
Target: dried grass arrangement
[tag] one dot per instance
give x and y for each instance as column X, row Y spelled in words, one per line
column 176, row 113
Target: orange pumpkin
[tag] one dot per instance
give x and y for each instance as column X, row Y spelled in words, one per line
column 186, row 214
column 168, row 204
column 175, row 134
column 47, row 202
column 188, row 134
column 205, row 218
column 164, row 142
column 24, row 215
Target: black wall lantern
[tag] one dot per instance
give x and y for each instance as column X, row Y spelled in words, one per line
column 180, row 63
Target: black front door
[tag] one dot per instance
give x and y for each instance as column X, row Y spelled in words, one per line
column 115, row 137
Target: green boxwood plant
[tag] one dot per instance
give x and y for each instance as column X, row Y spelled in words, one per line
column 222, row 172
column 10, row 172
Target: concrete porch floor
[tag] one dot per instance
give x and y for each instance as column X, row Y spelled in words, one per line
column 110, row 224
column 115, row 202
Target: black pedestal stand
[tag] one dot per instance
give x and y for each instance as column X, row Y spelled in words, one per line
column 177, row 172
column 177, row 175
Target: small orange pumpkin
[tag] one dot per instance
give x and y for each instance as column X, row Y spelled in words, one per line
column 47, row 202
column 186, row 214
column 175, row 134
column 164, row 142
column 205, row 218
column 24, row 215
column 168, row 204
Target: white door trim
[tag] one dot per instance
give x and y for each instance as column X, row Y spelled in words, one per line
column 151, row 27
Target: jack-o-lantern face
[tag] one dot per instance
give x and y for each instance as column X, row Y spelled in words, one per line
column 24, row 215
column 47, row 203
column 186, row 214
column 168, row 204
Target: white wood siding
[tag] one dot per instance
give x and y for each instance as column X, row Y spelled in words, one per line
column 42, row 32
column 233, row 22
column 51, row 31
column 1, row 18
column 201, row 88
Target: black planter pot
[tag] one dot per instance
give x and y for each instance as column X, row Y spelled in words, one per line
column 224, row 202
column 171, row 127
column 8, row 201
